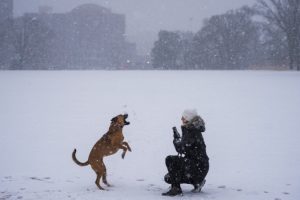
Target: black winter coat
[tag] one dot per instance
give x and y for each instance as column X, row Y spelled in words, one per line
column 192, row 144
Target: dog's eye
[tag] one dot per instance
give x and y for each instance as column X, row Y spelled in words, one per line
column 114, row 119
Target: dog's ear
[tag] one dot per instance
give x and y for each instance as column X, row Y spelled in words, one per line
column 114, row 119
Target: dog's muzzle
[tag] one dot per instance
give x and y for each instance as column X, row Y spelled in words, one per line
column 125, row 117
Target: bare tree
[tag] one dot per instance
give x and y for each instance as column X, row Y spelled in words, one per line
column 274, row 46
column 286, row 15
column 226, row 41
column 166, row 50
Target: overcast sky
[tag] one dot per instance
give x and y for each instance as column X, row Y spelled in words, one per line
column 145, row 18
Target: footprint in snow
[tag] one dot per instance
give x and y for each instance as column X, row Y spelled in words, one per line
column 141, row 179
column 94, row 190
column 6, row 197
column 266, row 192
column 286, row 193
column 35, row 178
column 239, row 190
column 222, row 186
column 7, row 178
column 153, row 187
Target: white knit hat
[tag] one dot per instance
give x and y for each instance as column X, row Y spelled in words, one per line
column 189, row 114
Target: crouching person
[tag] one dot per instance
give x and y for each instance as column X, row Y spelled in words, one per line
column 192, row 163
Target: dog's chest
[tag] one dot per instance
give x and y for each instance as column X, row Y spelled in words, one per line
column 118, row 138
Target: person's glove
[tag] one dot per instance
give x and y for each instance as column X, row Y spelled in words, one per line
column 176, row 135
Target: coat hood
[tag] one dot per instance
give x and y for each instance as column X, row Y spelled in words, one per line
column 197, row 122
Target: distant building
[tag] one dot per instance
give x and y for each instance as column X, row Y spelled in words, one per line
column 6, row 18
column 6, row 10
column 89, row 36
column 45, row 9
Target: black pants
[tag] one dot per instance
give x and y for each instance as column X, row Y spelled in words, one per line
column 184, row 170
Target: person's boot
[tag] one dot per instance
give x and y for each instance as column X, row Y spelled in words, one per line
column 198, row 187
column 174, row 191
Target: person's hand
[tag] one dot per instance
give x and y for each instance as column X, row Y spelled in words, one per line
column 176, row 135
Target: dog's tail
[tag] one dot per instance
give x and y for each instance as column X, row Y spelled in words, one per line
column 77, row 162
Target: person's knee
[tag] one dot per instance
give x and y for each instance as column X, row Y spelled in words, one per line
column 167, row 178
column 206, row 168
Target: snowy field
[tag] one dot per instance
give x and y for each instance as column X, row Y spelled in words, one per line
column 252, row 120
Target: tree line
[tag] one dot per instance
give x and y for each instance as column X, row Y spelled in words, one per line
column 264, row 35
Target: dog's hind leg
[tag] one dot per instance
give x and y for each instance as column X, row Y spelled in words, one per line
column 104, row 178
column 98, row 167
column 98, row 181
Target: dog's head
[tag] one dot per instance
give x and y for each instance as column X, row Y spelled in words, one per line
column 120, row 120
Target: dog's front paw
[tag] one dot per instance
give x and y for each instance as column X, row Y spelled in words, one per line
column 123, row 155
column 129, row 149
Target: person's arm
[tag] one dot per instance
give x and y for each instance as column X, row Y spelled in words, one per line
column 183, row 145
column 179, row 147
column 177, row 141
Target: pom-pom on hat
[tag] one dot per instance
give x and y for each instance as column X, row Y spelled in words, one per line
column 189, row 114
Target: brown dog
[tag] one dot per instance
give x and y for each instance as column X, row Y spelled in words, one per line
column 108, row 144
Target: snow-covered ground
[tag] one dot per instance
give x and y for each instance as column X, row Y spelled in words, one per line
column 252, row 120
